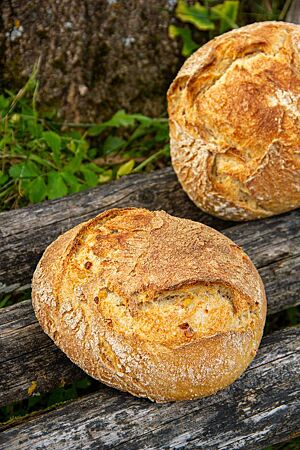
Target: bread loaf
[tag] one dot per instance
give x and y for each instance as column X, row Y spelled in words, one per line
column 234, row 112
column 158, row 306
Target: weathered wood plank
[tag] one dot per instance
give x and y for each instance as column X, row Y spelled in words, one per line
column 261, row 408
column 26, row 232
column 274, row 248
column 282, row 284
column 268, row 240
column 27, row 354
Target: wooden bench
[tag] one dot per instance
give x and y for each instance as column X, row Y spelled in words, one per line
column 261, row 408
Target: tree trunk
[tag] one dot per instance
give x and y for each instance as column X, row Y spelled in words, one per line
column 97, row 56
column 293, row 14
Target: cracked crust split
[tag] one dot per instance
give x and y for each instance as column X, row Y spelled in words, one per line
column 234, row 112
column 158, row 306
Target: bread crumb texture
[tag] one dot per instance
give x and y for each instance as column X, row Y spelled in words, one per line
column 162, row 307
column 234, row 112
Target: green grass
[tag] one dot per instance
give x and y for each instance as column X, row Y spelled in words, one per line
column 294, row 444
column 197, row 23
column 287, row 318
column 43, row 402
column 14, row 297
column 42, row 158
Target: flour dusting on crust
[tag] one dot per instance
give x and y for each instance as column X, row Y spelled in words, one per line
column 161, row 307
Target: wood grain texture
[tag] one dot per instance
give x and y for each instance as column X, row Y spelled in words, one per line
column 248, row 414
column 259, row 409
column 273, row 245
column 26, row 232
column 27, row 354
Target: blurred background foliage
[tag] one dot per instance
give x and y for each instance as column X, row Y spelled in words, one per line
column 196, row 22
column 42, row 158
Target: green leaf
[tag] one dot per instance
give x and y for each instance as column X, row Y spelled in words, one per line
column 92, row 153
column 140, row 131
column 16, row 170
column 37, row 190
column 24, row 185
column 56, row 186
column 227, row 14
column 189, row 46
column 125, row 168
column 120, row 119
column 112, row 144
column 74, row 134
column 197, row 15
column 61, row 395
column 7, row 139
column 82, row 384
column 53, row 140
column 34, row 128
column 3, row 178
column 90, row 177
column 32, row 401
column 5, row 300
column 83, row 145
column 165, row 151
column 41, row 161
column 72, row 146
column 293, row 315
column 105, row 176
column 72, row 181
column 15, row 118
column 23, row 170
column 94, row 167
column 132, row 118
column 95, row 130
column 162, row 131
column 75, row 163
column 4, row 102
column 50, row 114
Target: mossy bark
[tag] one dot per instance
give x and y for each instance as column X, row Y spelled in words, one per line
column 97, row 56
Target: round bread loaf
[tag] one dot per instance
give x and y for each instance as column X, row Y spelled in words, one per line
column 158, row 306
column 234, row 112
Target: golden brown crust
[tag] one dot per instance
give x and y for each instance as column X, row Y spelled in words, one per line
column 162, row 307
column 234, row 112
